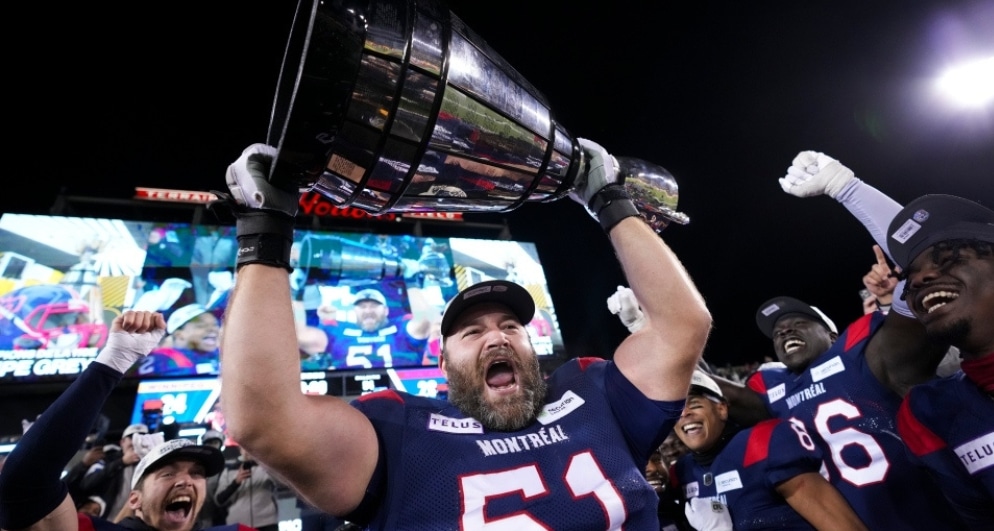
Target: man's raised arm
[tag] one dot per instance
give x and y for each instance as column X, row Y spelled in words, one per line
column 261, row 398
column 660, row 357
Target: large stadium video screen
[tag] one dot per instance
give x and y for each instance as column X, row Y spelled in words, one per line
column 362, row 301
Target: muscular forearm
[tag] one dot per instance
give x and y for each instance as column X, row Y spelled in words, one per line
column 819, row 503
column 660, row 357
column 265, row 409
column 260, row 357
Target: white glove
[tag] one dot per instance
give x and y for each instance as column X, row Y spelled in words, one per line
column 601, row 170
column 705, row 514
column 813, row 173
column 124, row 348
column 624, row 304
column 248, row 181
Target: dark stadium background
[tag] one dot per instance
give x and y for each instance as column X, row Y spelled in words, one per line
column 103, row 98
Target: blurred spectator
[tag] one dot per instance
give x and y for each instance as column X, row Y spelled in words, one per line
column 248, row 494
column 110, row 478
column 211, row 514
column 74, row 477
column 93, row 506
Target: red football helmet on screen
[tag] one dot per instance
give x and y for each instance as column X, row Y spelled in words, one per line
column 47, row 316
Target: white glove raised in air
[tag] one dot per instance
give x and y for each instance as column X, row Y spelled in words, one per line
column 133, row 335
column 601, row 170
column 624, row 304
column 813, row 173
column 705, row 514
column 248, row 181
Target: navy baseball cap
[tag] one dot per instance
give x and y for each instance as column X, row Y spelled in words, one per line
column 772, row 310
column 936, row 218
column 512, row 295
column 369, row 294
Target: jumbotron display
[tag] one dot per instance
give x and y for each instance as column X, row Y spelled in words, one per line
column 363, row 301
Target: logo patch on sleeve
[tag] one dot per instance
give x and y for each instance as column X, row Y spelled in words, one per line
column 776, row 393
column 977, row 454
column 438, row 422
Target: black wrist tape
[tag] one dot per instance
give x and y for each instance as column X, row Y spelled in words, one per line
column 612, row 204
column 264, row 238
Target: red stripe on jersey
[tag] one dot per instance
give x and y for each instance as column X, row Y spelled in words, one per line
column 756, row 382
column 919, row 439
column 84, row 523
column 758, row 445
column 858, row 330
column 587, row 361
column 388, row 394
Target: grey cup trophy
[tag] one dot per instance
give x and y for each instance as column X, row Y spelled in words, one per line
column 398, row 106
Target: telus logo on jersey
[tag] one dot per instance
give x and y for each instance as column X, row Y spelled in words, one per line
column 977, row 454
column 438, row 422
column 776, row 393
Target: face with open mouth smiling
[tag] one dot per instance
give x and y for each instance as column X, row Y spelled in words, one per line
column 701, row 423
column 492, row 370
column 170, row 497
column 798, row 340
column 950, row 289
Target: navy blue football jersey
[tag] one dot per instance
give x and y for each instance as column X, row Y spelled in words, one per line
column 744, row 476
column 580, row 463
column 852, row 417
column 948, row 424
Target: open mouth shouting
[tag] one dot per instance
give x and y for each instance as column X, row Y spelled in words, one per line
column 501, row 376
column 178, row 508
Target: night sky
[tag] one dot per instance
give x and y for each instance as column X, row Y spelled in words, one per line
column 723, row 94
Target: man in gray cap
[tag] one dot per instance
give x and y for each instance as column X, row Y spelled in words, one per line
column 509, row 448
column 169, row 483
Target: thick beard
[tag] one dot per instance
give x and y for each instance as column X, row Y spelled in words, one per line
column 510, row 413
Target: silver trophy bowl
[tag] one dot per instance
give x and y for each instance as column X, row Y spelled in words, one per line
column 398, row 106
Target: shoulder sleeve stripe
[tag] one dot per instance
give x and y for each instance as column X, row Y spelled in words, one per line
column 858, row 330
column 756, row 382
column 919, row 439
column 758, row 444
column 388, row 394
column 587, row 361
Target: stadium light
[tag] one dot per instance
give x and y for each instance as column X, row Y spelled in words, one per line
column 970, row 84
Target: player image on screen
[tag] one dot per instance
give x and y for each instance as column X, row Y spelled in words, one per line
column 370, row 337
column 190, row 348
